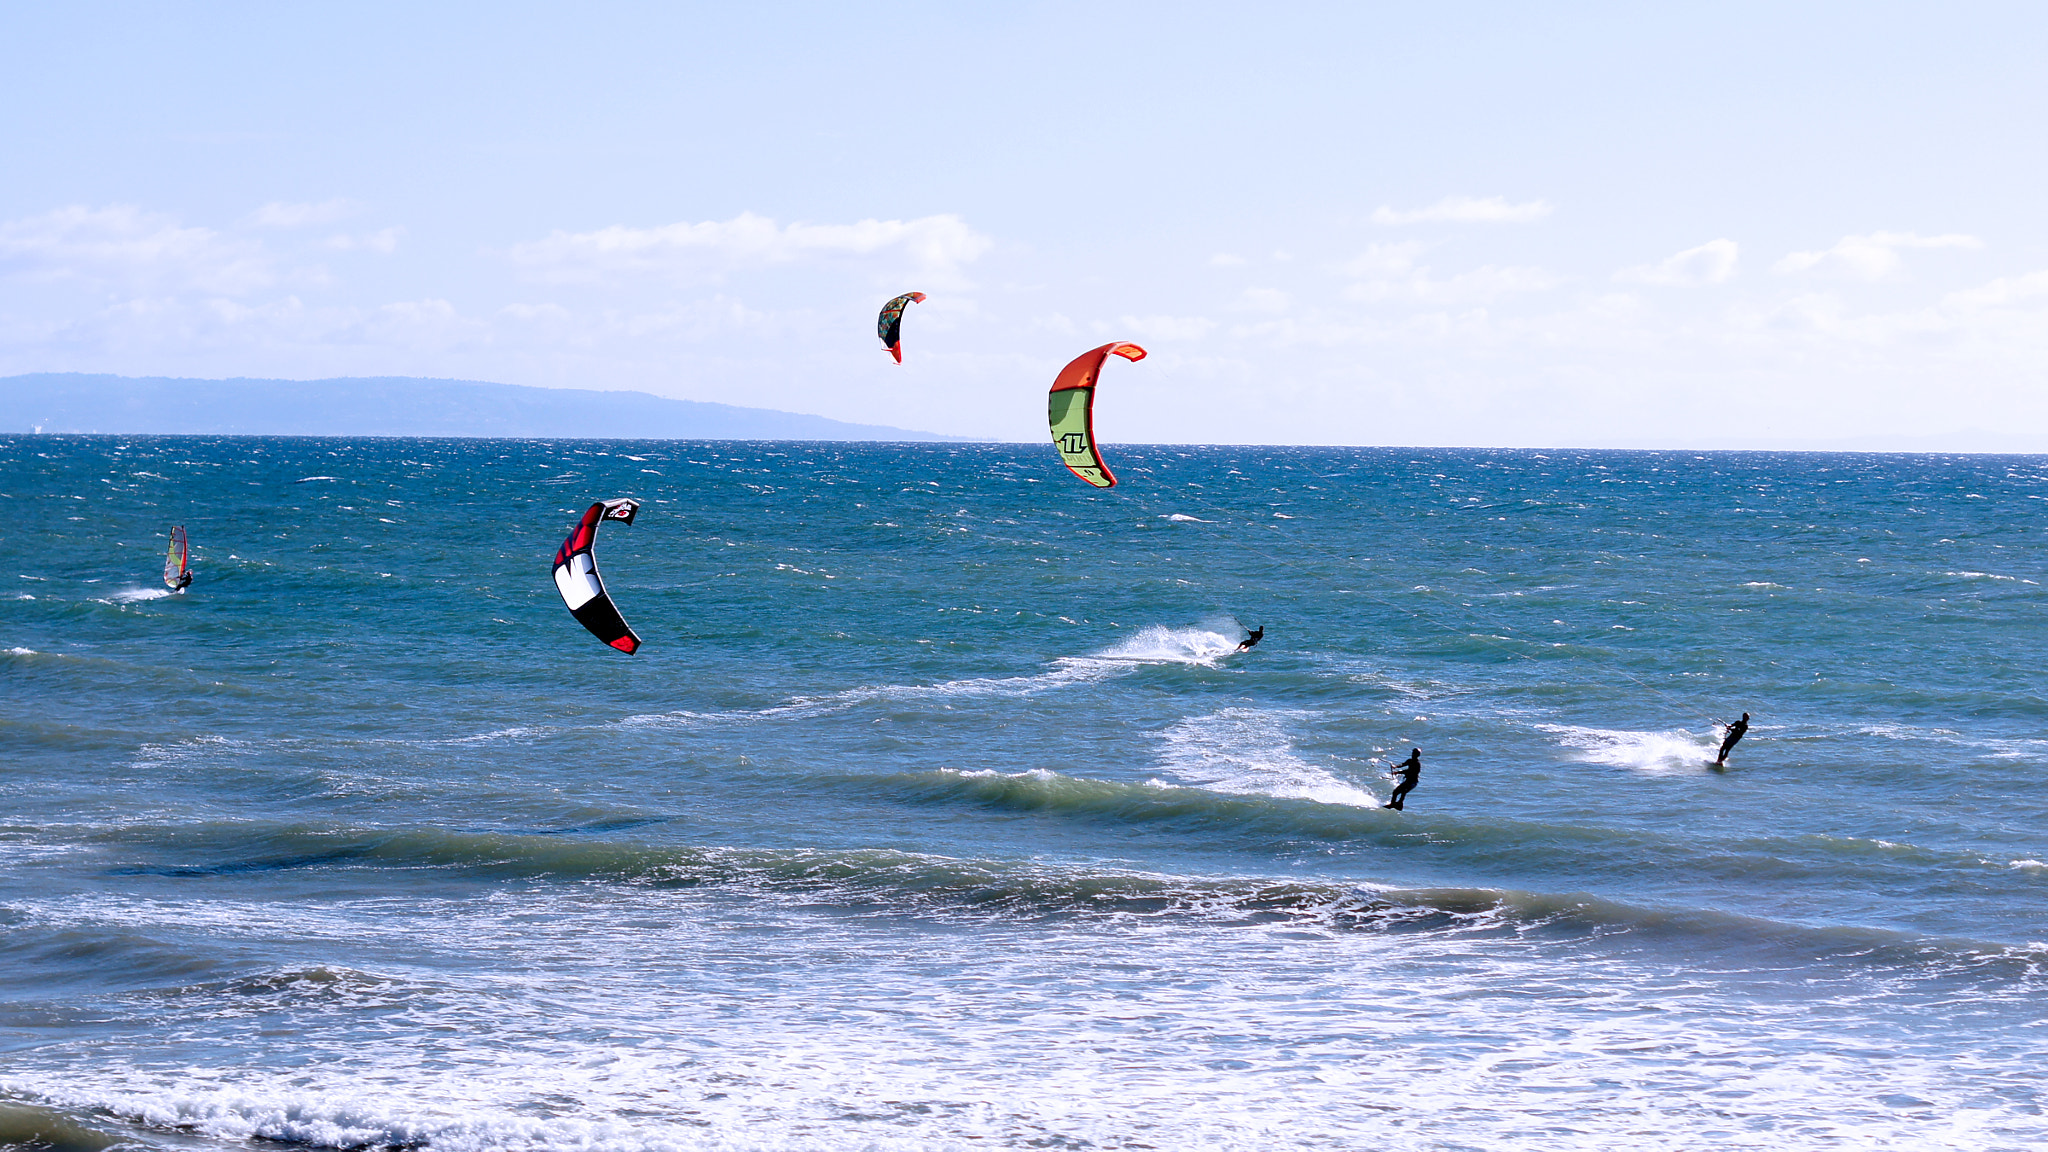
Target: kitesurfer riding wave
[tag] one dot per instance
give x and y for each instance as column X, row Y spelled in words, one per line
column 1252, row 638
column 1735, row 733
column 1409, row 771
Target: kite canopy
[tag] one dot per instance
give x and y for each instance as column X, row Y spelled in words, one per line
column 1071, row 409
column 577, row 580
column 889, row 325
column 178, row 561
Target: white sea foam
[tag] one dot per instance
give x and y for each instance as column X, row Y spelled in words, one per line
column 204, row 748
column 1247, row 751
column 514, row 733
column 1990, row 576
column 1152, row 645
column 1671, row 752
column 2015, row 748
column 1155, row 644
column 133, row 596
column 1907, row 732
column 1376, row 678
column 22, row 652
column 812, row 1033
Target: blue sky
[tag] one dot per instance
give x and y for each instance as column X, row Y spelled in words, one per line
column 1727, row 225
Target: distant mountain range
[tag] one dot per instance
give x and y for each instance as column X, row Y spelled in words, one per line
column 393, row 406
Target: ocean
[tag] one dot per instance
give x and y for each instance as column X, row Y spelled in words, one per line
column 939, row 812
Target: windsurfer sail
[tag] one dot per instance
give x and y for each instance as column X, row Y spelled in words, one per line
column 178, row 561
column 1070, row 408
column 889, row 325
column 577, row 580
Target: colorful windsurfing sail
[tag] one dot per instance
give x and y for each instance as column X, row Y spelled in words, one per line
column 889, row 325
column 1071, row 410
column 178, row 561
column 582, row 588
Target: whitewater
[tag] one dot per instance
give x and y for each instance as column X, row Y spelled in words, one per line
column 940, row 811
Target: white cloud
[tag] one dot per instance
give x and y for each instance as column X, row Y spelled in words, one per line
column 549, row 313
column 1166, row 327
column 1480, row 284
column 422, row 325
column 1710, row 263
column 1872, row 257
column 1465, row 210
column 278, row 214
column 1489, row 281
column 384, row 240
column 1394, row 340
column 1384, row 259
column 1264, row 300
column 122, row 244
column 936, row 245
column 2005, row 292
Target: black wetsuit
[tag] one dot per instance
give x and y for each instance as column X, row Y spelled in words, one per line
column 184, row 582
column 1735, row 734
column 1257, row 634
column 1410, row 770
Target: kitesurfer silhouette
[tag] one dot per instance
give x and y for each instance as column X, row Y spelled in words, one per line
column 1256, row 635
column 1409, row 771
column 1735, row 734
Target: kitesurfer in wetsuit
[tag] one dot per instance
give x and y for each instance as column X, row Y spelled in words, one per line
column 1735, row 734
column 1257, row 634
column 1409, row 770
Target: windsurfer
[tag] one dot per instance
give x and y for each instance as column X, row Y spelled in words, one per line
column 178, row 560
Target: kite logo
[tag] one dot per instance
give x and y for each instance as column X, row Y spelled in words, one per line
column 1075, row 442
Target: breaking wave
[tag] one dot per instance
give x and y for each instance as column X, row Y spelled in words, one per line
column 1152, row 645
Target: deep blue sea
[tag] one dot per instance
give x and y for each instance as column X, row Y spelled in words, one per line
column 938, row 812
